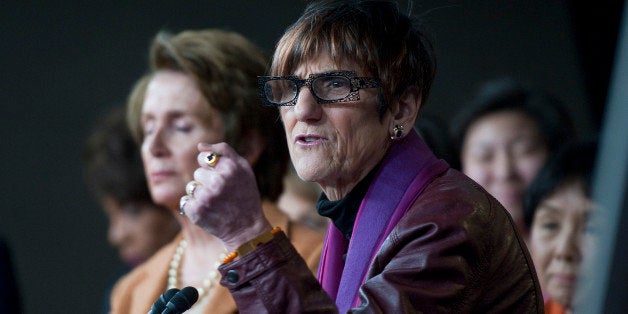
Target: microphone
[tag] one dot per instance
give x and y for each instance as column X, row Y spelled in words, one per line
column 160, row 303
column 181, row 301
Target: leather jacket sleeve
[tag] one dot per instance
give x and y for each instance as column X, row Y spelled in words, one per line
column 455, row 251
column 275, row 279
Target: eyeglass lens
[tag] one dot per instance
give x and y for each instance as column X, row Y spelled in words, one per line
column 333, row 87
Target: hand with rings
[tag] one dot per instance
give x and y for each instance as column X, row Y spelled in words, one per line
column 224, row 199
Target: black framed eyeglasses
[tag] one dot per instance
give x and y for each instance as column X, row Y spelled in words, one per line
column 328, row 87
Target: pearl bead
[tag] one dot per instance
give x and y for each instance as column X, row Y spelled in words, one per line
column 173, row 272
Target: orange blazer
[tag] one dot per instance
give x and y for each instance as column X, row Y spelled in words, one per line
column 137, row 291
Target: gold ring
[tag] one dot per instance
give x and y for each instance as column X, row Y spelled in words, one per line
column 182, row 202
column 190, row 187
column 212, row 159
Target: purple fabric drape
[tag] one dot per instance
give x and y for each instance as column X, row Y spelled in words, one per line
column 407, row 168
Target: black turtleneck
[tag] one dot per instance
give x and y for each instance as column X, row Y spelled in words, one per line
column 343, row 212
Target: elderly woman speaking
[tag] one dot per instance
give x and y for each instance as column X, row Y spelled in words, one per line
column 409, row 234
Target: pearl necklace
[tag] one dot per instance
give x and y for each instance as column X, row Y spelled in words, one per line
column 173, row 273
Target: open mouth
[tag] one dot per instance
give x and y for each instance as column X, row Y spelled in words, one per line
column 309, row 139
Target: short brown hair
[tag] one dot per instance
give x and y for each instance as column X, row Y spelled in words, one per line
column 225, row 66
column 383, row 41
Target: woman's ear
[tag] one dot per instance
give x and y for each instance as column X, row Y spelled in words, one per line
column 253, row 147
column 406, row 111
column 408, row 106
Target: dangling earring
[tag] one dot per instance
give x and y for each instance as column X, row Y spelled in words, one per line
column 397, row 132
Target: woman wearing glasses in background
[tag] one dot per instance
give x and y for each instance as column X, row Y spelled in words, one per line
column 408, row 234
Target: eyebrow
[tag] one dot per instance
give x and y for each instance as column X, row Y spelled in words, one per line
column 551, row 208
column 319, row 73
column 558, row 209
column 170, row 115
column 332, row 71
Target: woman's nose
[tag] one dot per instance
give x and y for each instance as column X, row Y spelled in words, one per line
column 156, row 144
column 307, row 107
column 568, row 246
column 504, row 166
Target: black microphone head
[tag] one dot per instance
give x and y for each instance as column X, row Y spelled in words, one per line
column 182, row 301
column 160, row 303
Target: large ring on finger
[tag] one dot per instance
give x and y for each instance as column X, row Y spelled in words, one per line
column 182, row 202
column 212, row 159
column 190, row 187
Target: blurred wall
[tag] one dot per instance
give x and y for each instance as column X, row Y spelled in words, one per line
column 64, row 63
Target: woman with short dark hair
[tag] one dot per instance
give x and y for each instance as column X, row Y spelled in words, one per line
column 408, row 233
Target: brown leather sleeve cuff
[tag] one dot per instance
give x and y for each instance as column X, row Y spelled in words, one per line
column 264, row 258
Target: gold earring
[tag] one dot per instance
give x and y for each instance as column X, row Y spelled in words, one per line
column 397, row 131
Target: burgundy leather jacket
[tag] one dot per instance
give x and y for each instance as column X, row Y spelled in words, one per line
column 444, row 256
column 455, row 251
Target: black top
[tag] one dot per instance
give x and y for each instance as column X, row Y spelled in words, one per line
column 343, row 212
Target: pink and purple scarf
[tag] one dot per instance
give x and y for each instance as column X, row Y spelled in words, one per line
column 405, row 171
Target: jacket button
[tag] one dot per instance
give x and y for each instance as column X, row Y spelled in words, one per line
column 232, row 276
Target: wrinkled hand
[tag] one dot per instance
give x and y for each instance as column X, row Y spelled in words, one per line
column 227, row 202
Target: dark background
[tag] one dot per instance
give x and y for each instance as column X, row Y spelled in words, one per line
column 65, row 63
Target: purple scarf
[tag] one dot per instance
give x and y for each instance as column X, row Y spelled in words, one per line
column 406, row 170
